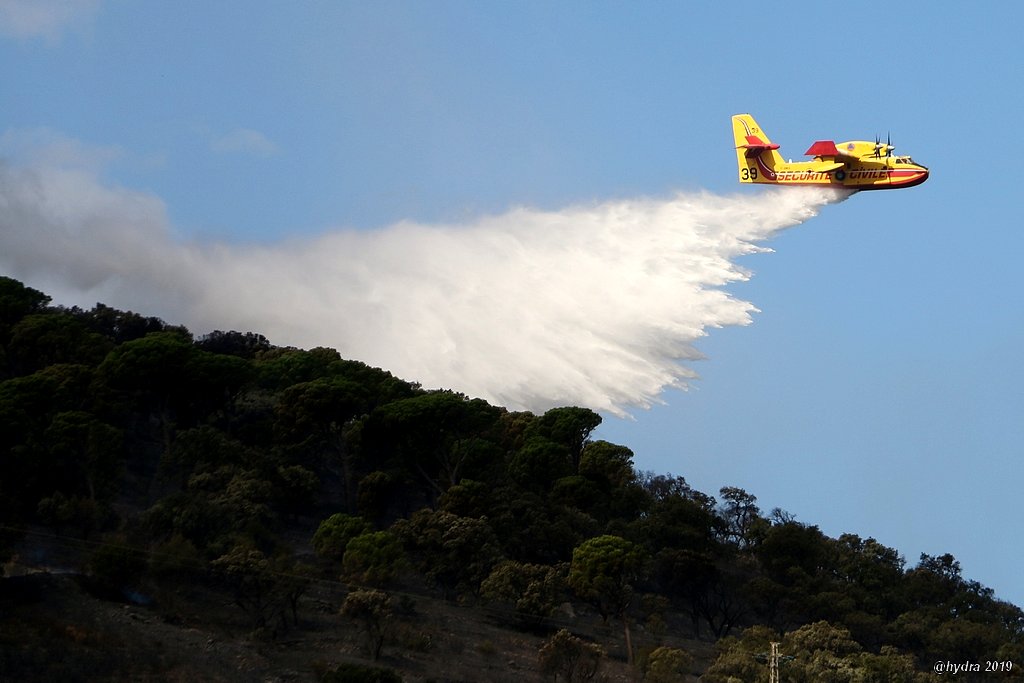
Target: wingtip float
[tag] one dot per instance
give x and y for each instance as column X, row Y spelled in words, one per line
column 854, row 165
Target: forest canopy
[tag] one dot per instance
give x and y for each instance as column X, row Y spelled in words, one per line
column 225, row 459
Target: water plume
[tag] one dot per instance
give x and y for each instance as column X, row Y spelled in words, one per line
column 596, row 305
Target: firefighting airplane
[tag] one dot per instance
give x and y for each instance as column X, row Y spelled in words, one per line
column 855, row 165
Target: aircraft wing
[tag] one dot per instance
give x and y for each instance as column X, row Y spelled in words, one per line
column 827, row 148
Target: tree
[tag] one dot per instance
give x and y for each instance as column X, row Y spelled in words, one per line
column 233, row 343
column 794, row 556
column 608, row 464
column 792, row 548
column 60, row 512
column 212, row 381
column 253, row 581
column 578, row 492
column 468, row 498
column 197, row 449
column 279, row 369
column 27, row 407
column 296, row 488
column 334, row 533
column 610, row 467
column 534, row 589
column 442, row 436
column 569, row 658
column 737, row 660
column 147, row 375
column 686, row 577
column 176, row 559
column 122, row 326
column 374, row 610
column 603, row 572
column 814, row 653
column 85, row 453
column 676, row 522
column 740, row 512
column 538, row 464
column 538, row 529
column 374, row 558
column 221, row 508
column 666, row 665
column 51, row 338
column 871, row 573
column 569, row 427
column 720, row 600
column 823, row 653
column 317, row 418
column 293, row 582
column 116, row 566
column 457, row 553
column 378, row 494
column 16, row 302
column 954, row 618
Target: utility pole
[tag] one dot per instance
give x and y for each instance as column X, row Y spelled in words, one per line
column 773, row 659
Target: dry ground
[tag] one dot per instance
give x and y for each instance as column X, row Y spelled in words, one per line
column 53, row 628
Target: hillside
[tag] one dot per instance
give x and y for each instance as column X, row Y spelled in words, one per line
column 218, row 508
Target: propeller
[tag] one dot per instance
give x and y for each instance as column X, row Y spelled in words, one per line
column 887, row 146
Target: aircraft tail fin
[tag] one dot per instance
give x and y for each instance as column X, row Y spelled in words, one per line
column 752, row 146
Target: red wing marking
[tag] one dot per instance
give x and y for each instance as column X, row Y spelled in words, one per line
column 822, row 148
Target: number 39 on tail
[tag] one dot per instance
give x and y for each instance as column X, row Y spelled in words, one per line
column 854, row 165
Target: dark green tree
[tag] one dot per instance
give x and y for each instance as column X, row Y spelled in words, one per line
column 569, row 427
column 145, row 377
column 16, row 302
column 468, row 498
column 610, row 467
column 603, row 572
column 667, row 665
column 457, row 553
column 373, row 558
column 441, row 436
column 539, row 463
column 380, row 495
column 571, row 659
column 86, row 454
column 279, row 368
column 741, row 515
column 334, row 533
column 535, row 590
column 266, row 588
column 117, row 566
column 123, row 326
column 374, row 610
column 316, row 418
column 51, row 338
column 247, row 345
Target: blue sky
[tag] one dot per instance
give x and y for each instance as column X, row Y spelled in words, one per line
column 879, row 389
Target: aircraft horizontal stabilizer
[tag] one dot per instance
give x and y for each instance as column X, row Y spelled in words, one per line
column 754, row 142
column 756, row 145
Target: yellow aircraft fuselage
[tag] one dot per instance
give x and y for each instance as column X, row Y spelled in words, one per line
column 855, row 165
